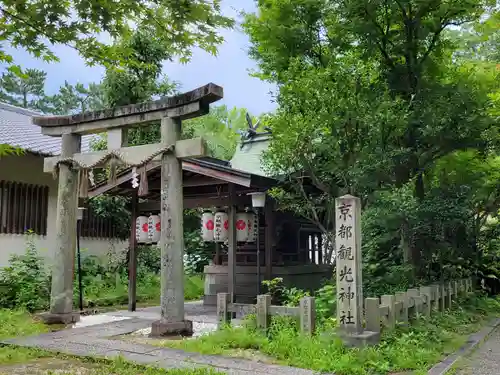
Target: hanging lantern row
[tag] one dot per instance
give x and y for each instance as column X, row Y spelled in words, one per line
column 215, row 227
column 148, row 229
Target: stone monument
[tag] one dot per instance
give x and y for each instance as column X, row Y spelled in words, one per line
column 349, row 272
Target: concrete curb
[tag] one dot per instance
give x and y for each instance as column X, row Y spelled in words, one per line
column 472, row 343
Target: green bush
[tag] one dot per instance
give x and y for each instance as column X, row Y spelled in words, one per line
column 25, row 283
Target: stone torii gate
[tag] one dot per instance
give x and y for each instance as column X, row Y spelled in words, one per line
column 75, row 171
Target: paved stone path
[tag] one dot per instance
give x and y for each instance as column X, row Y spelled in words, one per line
column 485, row 360
column 97, row 340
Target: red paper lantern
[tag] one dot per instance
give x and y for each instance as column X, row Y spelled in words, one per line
column 242, row 227
column 142, row 229
column 221, row 226
column 207, row 226
column 154, row 228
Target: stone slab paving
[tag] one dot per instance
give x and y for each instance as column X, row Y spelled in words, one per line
column 485, row 360
column 96, row 340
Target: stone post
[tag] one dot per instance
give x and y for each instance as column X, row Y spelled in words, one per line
column 307, row 315
column 262, row 309
column 348, row 250
column 172, row 321
column 349, row 278
column 61, row 293
column 223, row 315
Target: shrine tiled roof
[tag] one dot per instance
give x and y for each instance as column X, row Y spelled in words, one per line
column 17, row 129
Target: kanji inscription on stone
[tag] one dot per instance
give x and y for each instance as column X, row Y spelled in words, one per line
column 348, row 254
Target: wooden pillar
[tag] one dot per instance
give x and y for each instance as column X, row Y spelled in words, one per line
column 269, row 238
column 320, row 248
column 172, row 238
column 218, row 260
column 61, row 297
column 231, row 274
column 132, row 261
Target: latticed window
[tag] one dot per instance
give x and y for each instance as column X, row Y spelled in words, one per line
column 94, row 226
column 23, row 208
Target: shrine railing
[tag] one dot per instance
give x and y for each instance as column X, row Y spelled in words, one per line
column 389, row 310
column 263, row 311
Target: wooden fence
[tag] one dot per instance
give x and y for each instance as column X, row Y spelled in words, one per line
column 388, row 310
column 264, row 310
column 381, row 312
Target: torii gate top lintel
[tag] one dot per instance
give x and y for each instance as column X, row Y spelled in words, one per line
column 184, row 106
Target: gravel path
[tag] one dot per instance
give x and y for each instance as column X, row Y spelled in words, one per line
column 485, row 360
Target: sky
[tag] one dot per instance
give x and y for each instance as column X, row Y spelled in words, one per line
column 229, row 69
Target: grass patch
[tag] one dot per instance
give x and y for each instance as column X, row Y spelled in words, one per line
column 19, row 323
column 101, row 294
column 415, row 348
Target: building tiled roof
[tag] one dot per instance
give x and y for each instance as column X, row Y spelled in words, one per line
column 16, row 129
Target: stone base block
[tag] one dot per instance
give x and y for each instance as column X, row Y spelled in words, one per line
column 163, row 328
column 365, row 338
column 53, row 318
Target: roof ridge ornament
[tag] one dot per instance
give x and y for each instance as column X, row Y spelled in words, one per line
column 251, row 131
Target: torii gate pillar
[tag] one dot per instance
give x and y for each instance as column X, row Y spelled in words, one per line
column 171, row 111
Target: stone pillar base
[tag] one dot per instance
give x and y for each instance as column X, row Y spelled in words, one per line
column 163, row 328
column 357, row 340
column 53, row 318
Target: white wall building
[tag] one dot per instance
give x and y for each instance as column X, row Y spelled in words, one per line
column 28, row 196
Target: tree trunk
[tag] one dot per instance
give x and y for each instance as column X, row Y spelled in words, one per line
column 420, row 187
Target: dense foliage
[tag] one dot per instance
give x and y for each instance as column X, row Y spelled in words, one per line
column 386, row 101
column 90, row 27
column 25, row 283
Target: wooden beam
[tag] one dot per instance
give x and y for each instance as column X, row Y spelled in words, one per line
column 232, row 244
column 199, row 202
column 270, row 239
column 102, row 189
column 187, row 105
column 192, row 182
column 238, row 180
column 202, row 181
column 187, row 148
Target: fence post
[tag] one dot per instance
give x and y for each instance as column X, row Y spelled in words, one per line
column 223, row 314
column 461, row 289
column 442, row 290
column 389, row 300
column 415, row 295
column 450, row 294
column 372, row 314
column 403, row 298
column 455, row 288
column 307, row 315
column 434, row 297
column 263, row 303
column 426, row 292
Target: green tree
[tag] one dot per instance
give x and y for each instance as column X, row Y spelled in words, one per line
column 178, row 25
column 6, row 150
column 26, row 90
column 371, row 96
column 219, row 129
column 77, row 98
